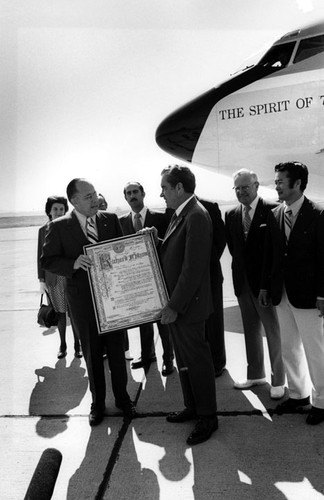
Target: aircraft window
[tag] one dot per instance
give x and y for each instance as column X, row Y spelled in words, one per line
column 278, row 56
column 309, row 48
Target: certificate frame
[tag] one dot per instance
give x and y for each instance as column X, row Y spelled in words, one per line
column 126, row 281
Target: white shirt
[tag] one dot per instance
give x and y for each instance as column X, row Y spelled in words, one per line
column 253, row 206
column 142, row 214
column 83, row 221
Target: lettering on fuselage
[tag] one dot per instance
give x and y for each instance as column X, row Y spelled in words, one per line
column 267, row 108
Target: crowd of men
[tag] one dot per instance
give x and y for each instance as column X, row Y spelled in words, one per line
column 277, row 262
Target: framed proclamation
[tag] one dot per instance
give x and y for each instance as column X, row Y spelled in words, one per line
column 126, row 281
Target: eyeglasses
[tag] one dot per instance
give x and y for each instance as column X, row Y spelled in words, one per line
column 237, row 189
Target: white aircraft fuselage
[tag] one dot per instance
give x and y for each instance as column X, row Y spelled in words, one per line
column 268, row 113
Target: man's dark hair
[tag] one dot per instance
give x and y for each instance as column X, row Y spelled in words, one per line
column 72, row 189
column 295, row 171
column 55, row 199
column 140, row 187
column 180, row 173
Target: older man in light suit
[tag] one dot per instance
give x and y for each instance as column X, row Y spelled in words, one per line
column 185, row 258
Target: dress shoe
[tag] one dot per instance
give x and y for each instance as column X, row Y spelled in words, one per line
column 249, row 382
column 277, row 391
column 178, row 417
column 203, row 430
column 96, row 415
column 292, row 405
column 78, row 353
column 128, row 356
column 143, row 363
column 316, row 416
column 128, row 409
column 167, row 369
column 61, row 354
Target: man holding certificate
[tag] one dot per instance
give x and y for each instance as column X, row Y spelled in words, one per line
column 185, row 259
column 63, row 255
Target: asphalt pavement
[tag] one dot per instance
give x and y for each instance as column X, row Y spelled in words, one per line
column 44, row 406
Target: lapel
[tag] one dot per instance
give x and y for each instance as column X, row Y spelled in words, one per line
column 238, row 217
column 75, row 229
column 303, row 220
column 173, row 226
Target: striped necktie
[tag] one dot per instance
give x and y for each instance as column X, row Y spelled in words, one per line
column 171, row 225
column 288, row 222
column 137, row 222
column 246, row 220
column 91, row 231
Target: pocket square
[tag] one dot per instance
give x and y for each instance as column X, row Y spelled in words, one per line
column 263, row 225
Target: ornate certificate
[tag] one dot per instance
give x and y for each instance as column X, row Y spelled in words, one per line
column 126, row 282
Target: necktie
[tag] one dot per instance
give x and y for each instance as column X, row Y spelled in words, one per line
column 91, row 231
column 137, row 222
column 288, row 222
column 246, row 220
column 171, row 225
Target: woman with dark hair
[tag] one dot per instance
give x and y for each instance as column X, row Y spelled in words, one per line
column 53, row 284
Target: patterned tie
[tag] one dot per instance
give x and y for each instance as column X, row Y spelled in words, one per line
column 91, row 231
column 137, row 222
column 288, row 222
column 246, row 220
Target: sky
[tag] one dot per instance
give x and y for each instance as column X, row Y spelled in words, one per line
column 85, row 83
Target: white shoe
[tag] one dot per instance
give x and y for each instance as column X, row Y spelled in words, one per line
column 128, row 356
column 247, row 383
column 277, row 392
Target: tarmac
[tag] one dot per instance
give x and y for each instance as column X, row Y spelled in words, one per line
column 44, row 404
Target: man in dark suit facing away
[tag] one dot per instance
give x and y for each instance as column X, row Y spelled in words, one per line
column 141, row 217
column 185, row 259
column 63, row 255
column 293, row 281
column 215, row 322
column 245, row 231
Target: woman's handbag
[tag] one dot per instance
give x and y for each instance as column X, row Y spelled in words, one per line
column 47, row 316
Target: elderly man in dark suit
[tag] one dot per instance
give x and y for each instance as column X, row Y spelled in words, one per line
column 63, row 255
column 293, row 281
column 185, row 258
column 245, row 231
column 141, row 217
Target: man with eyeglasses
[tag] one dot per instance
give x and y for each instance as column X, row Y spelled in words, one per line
column 245, row 227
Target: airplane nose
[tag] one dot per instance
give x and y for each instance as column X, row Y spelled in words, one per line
column 178, row 134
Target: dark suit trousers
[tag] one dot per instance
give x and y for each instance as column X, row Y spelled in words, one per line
column 253, row 317
column 215, row 329
column 166, row 341
column 92, row 346
column 195, row 366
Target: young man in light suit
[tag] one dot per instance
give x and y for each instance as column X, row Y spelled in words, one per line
column 246, row 246
column 293, row 281
column 185, row 259
column 63, row 255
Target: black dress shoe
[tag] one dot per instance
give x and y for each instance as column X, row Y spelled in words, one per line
column 292, row 405
column 167, row 369
column 96, row 415
column 78, row 353
column 178, row 417
column 143, row 363
column 128, row 409
column 61, row 354
column 203, row 430
column 315, row 417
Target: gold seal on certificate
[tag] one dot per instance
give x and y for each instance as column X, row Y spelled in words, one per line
column 126, row 282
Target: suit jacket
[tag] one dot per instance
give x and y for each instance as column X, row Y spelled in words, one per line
column 219, row 241
column 64, row 243
column 185, row 259
column 49, row 278
column 298, row 264
column 159, row 220
column 247, row 255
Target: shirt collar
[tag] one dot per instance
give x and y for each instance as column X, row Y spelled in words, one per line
column 83, row 219
column 296, row 206
column 181, row 207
